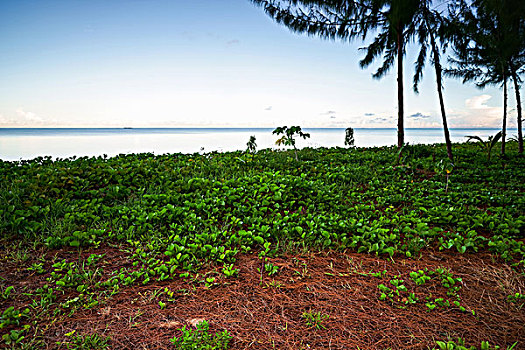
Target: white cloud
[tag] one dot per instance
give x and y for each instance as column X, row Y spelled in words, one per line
column 478, row 102
column 478, row 114
column 29, row 117
column 22, row 118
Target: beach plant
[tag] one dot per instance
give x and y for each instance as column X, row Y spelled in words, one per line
column 169, row 216
column 460, row 345
column 87, row 342
column 271, row 269
column 315, row 319
column 209, row 282
column 486, row 146
column 201, row 339
column 399, row 294
column 349, row 137
column 452, row 345
column 37, row 268
column 15, row 336
column 12, row 316
column 289, row 135
column 229, row 271
column 517, row 298
column 251, row 145
column 419, row 277
column 5, row 293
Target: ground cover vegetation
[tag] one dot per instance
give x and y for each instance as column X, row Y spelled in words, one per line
column 344, row 248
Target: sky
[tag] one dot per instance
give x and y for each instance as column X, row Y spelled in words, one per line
column 203, row 63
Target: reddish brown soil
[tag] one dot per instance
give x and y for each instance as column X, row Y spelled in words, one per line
column 265, row 312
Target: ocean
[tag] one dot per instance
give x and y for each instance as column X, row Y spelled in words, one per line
column 28, row 143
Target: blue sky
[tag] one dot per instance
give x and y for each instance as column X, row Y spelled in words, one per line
column 179, row 63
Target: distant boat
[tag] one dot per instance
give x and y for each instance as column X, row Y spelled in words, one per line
column 128, row 127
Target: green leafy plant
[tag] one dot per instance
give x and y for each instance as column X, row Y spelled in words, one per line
column 488, row 145
column 11, row 316
column 271, row 269
column 37, row 267
column 15, row 336
column 171, row 215
column 210, row 282
column 395, row 291
column 398, row 293
column 452, row 345
column 274, row 284
column 517, row 298
column 460, row 345
column 315, row 319
column 288, row 138
column 201, row 339
column 229, row 271
column 419, row 277
column 87, row 342
column 5, row 293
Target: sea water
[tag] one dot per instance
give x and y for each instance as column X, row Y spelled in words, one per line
column 28, row 143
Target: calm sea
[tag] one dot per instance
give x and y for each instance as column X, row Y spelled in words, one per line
column 20, row 143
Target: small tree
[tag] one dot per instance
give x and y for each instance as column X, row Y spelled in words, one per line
column 349, row 137
column 486, row 145
column 251, row 145
column 288, row 136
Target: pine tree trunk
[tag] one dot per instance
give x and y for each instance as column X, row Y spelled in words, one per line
column 518, row 107
column 504, row 128
column 400, row 112
column 439, row 80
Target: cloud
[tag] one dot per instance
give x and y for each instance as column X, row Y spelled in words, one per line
column 25, row 116
column 269, row 108
column 22, row 118
column 478, row 102
column 478, row 114
column 232, row 42
column 380, row 120
column 369, row 114
column 418, row 115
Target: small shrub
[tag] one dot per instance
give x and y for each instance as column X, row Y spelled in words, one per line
column 289, row 134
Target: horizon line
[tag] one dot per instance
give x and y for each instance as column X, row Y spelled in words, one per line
column 232, row 127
